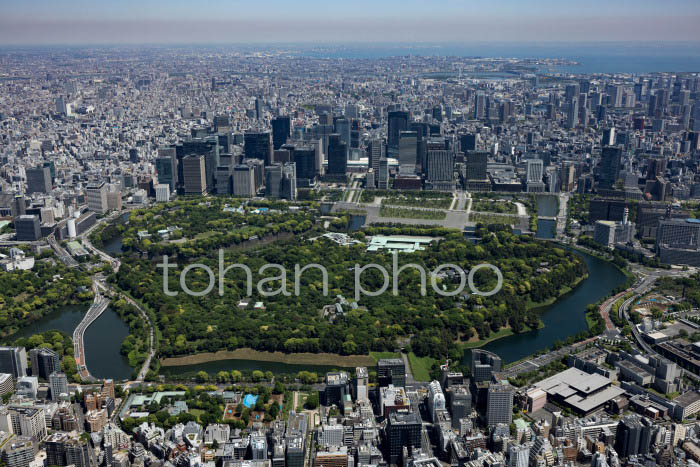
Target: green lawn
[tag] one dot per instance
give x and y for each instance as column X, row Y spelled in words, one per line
column 196, row 413
column 408, row 213
column 493, row 219
column 420, row 366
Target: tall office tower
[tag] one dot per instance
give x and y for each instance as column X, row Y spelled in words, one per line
column 258, row 108
column 383, row 175
column 337, row 155
column 289, row 181
column 258, row 447
column 440, row 170
column 572, row 116
column 468, row 142
column 134, row 157
column 44, row 362
column 224, row 180
column 391, row 371
column 305, row 159
column 243, row 181
column 97, row 197
column 408, row 152
column 13, row 360
column 484, row 365
column 568, row 176
column 375, row 152
column 460, row 400
column 397, row 122
column 610, row 159
column 194, row 175
column 633, row 436
column 436, row 399
column 295, row 451
column 518, row 455
column 506, row 110
column 166, row 167
column 684, row 97
column 281, row 127
column 61, row 106
column 352, row 111
column 162, row 192
column 500, row 404
column 273, row 181
column 656, row 168
column 475, row 171
column 59, row 384
column 403, row 431
column 480, row 104
column 258, row 146
column 436, row 113
column 343, row 127
column 572, row 91
column 535, row 168
column 682, row 233
column 207, row 147
column 39, row 180
column 608, row 138
column 27, row 228
column 584, row 86
column 615, row 94
column 361, row 381
column 551, row 112
column 554, row 185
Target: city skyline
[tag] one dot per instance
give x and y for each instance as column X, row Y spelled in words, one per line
column 216, row 21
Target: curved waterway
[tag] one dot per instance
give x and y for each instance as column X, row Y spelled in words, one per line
column 567, row 316
column 547, row 206
column 103, row 341
column 563, row 318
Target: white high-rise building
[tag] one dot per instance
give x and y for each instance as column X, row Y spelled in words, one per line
column 162, row 193
column 535, row 168
column 59, row 385
column 97, row 197
column 436, row 399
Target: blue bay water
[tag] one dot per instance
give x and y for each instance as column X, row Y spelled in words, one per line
column 600, row 57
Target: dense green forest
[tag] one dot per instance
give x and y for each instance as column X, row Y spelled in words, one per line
column 533, row 272
column 27, row 296
column 203, row 224
column 57, row 341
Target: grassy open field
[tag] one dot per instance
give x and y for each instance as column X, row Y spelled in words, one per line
column 420, row 366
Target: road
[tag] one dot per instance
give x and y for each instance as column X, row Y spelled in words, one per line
column 410, row 380
column 563, row 214
column 532, row 364
column 605, row 310
column 62, row 254
column 101, row 289
column 96, row 309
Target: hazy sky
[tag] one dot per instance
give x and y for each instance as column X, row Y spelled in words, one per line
column 206, row 21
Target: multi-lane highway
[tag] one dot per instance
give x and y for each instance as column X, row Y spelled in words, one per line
column 94, row 312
